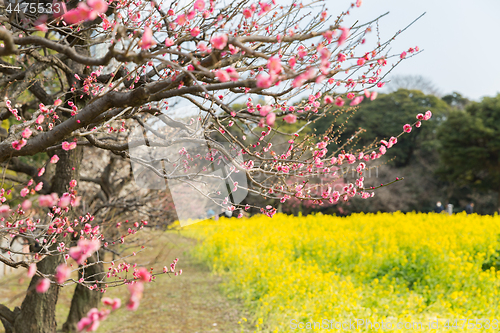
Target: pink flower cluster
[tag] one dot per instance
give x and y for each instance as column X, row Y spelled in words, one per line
column 228, row 74
column 407, row 127
column 93, row 319
column 43, row 285
column 68, row 145
column 219, row 41
column 147, row 39
column 142, row 274
column 86, row 12
column 136, row 289
column 84, row 249
column 62, row 273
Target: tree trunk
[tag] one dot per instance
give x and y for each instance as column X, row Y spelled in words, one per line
column 38, row 311
column 84, row 299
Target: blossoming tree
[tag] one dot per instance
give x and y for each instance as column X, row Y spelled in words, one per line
column 81, row 75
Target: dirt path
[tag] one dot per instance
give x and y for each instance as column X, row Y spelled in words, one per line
column 190, row 303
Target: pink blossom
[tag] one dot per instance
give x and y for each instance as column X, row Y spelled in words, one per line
column 299, row 81
column 99, row 6
column 68, row 145
column 181, row 19
column 195, row 31
column 290, row 118
column 41, row 171
column 358, row 3
column 64, row 201
column 247, row 12
column 222, row 75
column 328, row 35
column 356, row 100
column 427, row 115
column 41, row 27
column 147, row 39
column 26, row 133
column 54, row 159
column 26, row 205
column 84, row 323
column 374, row 95
column 264, row 81
column 420, row 116
column 39, row 24
column 403, row 55
column 4, row 210
column 135, row 289
column 190, row 15
column 92, row 321
column 169, row 42
column 24, row 192
column 201, row 46
column 84, row 249
column 43, row 285
column 114, row 303
column 270, row 119
column 328, row 99
column 17, row 145
column 407, row 128
column 199, row 5
column 265, row 110
column 418, row 124
column 62, row 273
column 143, row 274
column 75, row 16
column 302, row 52
column 31, row 270
column 219, row 41
column 292, row 61
column 48, row 200
column 264, row 8
column 233, row 74
column 339, row 101
column 274, row 65
column 39, row 119
column 75, row 202
column 343, row 36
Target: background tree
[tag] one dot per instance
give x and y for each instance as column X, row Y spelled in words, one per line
column 471, row 146
column 413, row 82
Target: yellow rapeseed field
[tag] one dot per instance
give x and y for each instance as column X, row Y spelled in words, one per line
column 397, row 269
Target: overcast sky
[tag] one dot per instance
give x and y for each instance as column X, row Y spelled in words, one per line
column 460, row 39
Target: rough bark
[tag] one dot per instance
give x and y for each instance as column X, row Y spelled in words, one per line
column 7, row 318
column 84, row 299
column 38, row 311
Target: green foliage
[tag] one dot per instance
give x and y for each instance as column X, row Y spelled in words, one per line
column 456, row 100
column 470, row 141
